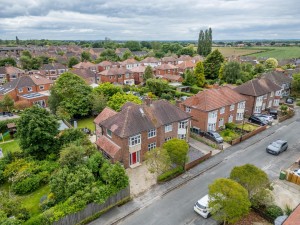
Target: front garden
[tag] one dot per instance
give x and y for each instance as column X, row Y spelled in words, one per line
column 234, row 131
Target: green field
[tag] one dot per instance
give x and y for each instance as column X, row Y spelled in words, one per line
column 267, row 52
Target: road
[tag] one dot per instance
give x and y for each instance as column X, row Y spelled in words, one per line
column 177, row 206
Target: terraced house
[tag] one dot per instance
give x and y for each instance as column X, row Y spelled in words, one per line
column 211, row 109
column 127, row 135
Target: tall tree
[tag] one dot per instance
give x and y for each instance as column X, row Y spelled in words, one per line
column 72, row 61
column 271, row 63
column 99, row 102
column 71, row 94
column 199, row 74
column 177, row 150
column 148, row 73
column 107, row 89
column 204, row 42
column 212, row 64
column 37, row 130
column 109, row 55
column 118, row 100
column 189, row 78
column 231, row 72
column 228, row 200
column 157, row 86
column 133, row 45
column 85, row 56
column 7, row 103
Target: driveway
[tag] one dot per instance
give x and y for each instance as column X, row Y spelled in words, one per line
column 202, row 147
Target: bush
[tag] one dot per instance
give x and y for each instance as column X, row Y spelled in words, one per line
column 170, row 174
column 273, row 211
column 3, row 124
column 195, row 89
column 27, row 185
column 230, row 126
column 298, row 103
column 239, row 82
column 166, row 96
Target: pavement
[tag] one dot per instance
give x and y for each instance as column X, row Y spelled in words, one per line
column 158, row 191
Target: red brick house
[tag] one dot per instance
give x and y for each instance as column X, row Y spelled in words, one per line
column 89, row 76
column 86, row 65
column 184, row 58
column 151, row 61
column 106, row 65
column 169, row 60
column 53, row 70
column 130, row 63
column 33, row 89
column 212, row 108
column 261, row 94
column 185, row 65
column 117, row 75
column 166, row 69
column 138, row 73
column 9, row 73
column 127, row 135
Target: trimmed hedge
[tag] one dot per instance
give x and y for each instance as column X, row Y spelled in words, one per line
column 273, row 211
column 170, row 174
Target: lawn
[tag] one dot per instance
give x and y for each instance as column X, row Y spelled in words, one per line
column 232, row 51
column 12, row 146
column 279, row 52
column 247, row 127
column 229, row 135
column 86, row 123
column 32, row 200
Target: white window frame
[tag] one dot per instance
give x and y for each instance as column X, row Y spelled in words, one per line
column 232, row 107
column 181, row 136
column 272, row 94
column 276, row 102
column 188, row 109
column 20, row 90
column 213, row 114
column 211, row 126
column 257, row 109
column 221, row 122
column 151, row 133
column 29, row 89
column 230, row 119
column 42, row 87
column 135, row 140
column 168, row 128
column 239, row 116
column 222, row 110
column 151, row 146
column 183, row 124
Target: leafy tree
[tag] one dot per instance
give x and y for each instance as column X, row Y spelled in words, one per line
column 71, row 156
column 157, row 86
column 71, row 94
column 109, row 55
column 253, row 179
column 212, row 64
column 95, row 161
column 98, row 44
column 205, row 42
column 177, row 150
column 259, row 68
column 146, row 44
column 6, row 103
column 126, row 55
column 186, row 51
column 133, row 45
column 115, row 175
column 8, row 61
column 231, row 72
column 175, row 47
column 85, row 56
column 228, row 200
column 271, row 63
column 199, row 74
column 108, row 89
column 72, row 62
column 189, row 78
column 99, row 102
column 148, row 73
column 296, row 82
column 37, row 130
column 71, row 135
column 118, row 100
column 158, row 160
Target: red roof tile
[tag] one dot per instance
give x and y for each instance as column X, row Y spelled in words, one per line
column 108, row 146
column 105, row 114
column 294, row 218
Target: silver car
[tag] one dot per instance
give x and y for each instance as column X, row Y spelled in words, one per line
column 277, row 147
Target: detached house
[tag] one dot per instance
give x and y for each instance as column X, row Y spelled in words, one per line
column 211, row 109
column 261, row 94
column 281, row 79
column 32, row 89
column 9, row 73
column 127, row 135
column 185, row 65
column 117, row 75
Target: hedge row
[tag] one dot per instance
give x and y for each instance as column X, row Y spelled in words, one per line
column 170, row 174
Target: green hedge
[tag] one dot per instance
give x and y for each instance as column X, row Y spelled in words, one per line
column 170, row 174
column 273, row 211
column 195, row 89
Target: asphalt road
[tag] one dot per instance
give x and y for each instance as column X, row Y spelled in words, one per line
column 177, row 206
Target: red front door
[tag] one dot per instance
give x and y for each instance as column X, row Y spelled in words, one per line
column 133, row 158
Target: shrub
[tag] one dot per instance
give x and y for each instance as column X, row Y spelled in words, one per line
column 230, row 126
column 170, row 174
column 166, row 96
column 195, row 89
column 288, row 210
column 298, row 103
column 239, row 82
column 273, row 211
column 3, row 124
column 27, row 185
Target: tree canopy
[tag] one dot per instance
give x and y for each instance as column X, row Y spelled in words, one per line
column 133, row 45
column 85, row 56
column 271, row 63
column 157, row 86
column 118, row 100
column 212, row 64
column 177, row 150
column 231, row 72
column 37, row 130
column 158, row 160
column 228, row 200
column 71, row 95
column 205, row 42
column 148, row 73
column 199, row 74
column 72, row 62
column 108, row 89
column 296, row 82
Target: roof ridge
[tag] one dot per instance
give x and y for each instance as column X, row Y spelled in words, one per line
column 253, row 87
column 125, row 120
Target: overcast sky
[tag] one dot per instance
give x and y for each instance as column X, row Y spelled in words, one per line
column 149, row 20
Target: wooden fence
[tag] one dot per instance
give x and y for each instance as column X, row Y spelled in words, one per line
column 91, row 209
column 291, row 177
column 248, row 135
column 290, row 114
column 197, row 161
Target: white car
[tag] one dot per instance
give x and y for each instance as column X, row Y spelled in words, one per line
column 201, row 207
column 297, row 172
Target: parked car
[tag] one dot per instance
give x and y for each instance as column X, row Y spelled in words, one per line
column 289, row 100
column 214, row 136
column 258, row 120
column 297, row 172
column 276, row 147
column 267, row 117
column 274, row 113
column 201, row 207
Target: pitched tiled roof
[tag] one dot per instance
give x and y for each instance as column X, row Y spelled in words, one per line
column 150, row 60
column 129, row 61
column 84, row 73
column 257, row 87
column 212, row 99
column 39, row 80
column 114, row 71
column 168, row 59
column 10, row 70
column 85, row 65
column 166, row 66
column 106, row 113
column 186, row 64
column 139, row 69
column 171, row 77
column 108, row 146
column 134, row 119
column 184, row 58
column 278, row 78
column 105, row 63
column 53, row 66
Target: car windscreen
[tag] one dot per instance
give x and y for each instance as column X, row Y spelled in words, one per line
column 200, row 206
column 276, row 145
column 217, row 135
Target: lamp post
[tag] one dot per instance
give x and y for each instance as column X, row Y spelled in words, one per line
column 243, row 125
